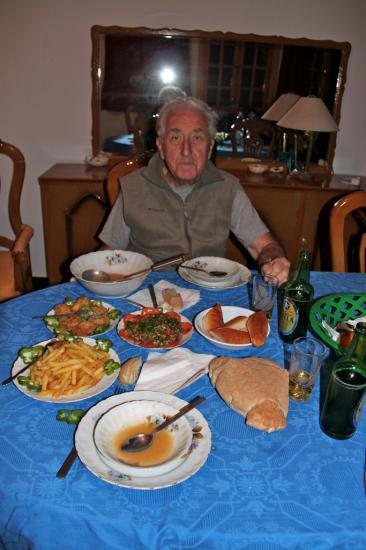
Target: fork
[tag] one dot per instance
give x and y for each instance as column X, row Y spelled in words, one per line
column 72, row 456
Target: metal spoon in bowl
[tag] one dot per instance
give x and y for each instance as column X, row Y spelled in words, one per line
column 212, row 273
column 140, row 442
column 99, row 276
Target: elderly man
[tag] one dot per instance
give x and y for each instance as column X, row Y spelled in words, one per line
column 181, row 203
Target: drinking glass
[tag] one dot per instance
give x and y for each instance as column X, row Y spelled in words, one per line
column 306, row 359
column 264, row 294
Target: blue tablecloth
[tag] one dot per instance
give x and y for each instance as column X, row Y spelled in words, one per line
column 296, row 488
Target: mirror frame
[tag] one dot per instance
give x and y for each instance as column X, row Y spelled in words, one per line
column 97, row 32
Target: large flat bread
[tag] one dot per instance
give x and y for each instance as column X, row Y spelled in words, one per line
column 256, row 388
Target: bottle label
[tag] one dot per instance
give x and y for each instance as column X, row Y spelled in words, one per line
column 289, row 317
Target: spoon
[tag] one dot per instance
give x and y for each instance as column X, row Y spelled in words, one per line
column 100, row 276
column 140, row 442
column 212, row 273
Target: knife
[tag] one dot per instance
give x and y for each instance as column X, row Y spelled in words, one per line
column 153, row 295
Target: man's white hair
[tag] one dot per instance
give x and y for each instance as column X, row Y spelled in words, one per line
column 187, row 104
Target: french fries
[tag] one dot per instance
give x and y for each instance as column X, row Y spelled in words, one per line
column 68, row 368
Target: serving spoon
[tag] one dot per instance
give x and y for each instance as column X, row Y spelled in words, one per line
column 140, row 442
column 213, row 273
column 100, row 276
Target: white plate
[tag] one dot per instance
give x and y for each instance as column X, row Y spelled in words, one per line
column 244, row 277
column 212, row 263
column 102, row 385
column 183, row 340
column 112, row 324
column 89, row 456
column 228, row 313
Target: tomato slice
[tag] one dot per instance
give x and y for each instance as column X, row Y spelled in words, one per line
column 173, row 315
column 130, row 317
column 150, row 311
column 186, row 327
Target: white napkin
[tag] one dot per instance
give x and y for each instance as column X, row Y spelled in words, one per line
column 189, row 296
column 170, row 372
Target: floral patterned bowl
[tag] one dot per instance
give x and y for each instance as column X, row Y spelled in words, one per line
column 120, row 262
column 169, row 449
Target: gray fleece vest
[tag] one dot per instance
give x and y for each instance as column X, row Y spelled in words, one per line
column 163, row 225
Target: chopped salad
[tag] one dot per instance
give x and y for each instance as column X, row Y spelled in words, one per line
column 154, row 329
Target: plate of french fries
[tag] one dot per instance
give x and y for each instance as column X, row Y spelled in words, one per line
column 66, row 371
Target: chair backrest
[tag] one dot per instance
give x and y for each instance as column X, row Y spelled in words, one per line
column 257, row 135
column 122, row 169
column 338, row 216
column 16, row 274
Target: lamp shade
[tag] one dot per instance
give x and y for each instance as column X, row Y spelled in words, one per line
column 309, row 114
column 280, row 106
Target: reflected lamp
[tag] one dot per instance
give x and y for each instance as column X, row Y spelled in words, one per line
column 310, row 115
column 279, row 109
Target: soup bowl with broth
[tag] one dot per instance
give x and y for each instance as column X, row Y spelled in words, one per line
column 115, row 263
column 169, row 449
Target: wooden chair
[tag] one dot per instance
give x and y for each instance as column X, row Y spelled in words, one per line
column 337, row 225
column 258, row 135
column 122, row 169
column 15, row 267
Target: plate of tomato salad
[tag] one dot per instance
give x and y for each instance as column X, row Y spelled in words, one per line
column 150, row 328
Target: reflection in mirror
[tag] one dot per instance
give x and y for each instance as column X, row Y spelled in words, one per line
column 239, row 76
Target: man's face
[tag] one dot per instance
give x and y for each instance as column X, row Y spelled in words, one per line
column 186, row 145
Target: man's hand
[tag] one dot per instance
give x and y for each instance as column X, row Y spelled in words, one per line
column 270, row 257
column 277, row 268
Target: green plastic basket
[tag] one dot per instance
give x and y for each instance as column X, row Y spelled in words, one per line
column 334, row 309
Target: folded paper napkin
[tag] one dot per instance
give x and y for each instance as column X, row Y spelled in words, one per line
column 189, row 296
column 172, row 371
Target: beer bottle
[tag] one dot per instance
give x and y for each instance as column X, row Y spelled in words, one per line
column 298, row 295
column 346, row 390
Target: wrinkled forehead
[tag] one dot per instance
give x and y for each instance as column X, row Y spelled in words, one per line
column 186, row 121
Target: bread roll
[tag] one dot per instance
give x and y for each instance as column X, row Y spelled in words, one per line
column 230, row 335
column 172, row 297
column 213, row 318
column 256, row 388
column 239, row 323
column 130, row 371
column 257, row 326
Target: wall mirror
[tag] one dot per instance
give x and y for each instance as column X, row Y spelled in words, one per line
column 234, row 73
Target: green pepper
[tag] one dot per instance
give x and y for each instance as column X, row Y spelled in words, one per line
column 97, row 303
column 69, row 301
column 85, row 315
column 113, row 314
column 26, row 381
column 52, row 322
column 110, row 366
column 66, row 335
column 101, row 328
column 72, row 416
column 103, row 344
column 28, row 355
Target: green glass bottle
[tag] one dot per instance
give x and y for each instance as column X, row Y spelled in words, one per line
column 298, row 295
column 346, row 389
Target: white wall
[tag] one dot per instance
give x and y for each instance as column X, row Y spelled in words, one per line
column 45, row 86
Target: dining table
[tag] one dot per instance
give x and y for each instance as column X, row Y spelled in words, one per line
column 289, row 489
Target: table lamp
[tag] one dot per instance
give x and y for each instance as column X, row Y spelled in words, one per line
column 279, row 109
column 310, row 115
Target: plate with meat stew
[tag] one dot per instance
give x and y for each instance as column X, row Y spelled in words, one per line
column 150, row 328
column 82, row 316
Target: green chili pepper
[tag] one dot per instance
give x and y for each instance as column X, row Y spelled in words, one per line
column 66, row 335
column 26, row 381
column 97, row 303
column 28, row 355
column 69, row 301
column 110, row 366
column 72, row 416
column 52, row 322
column 103, row 344
column 85, row 315
column 113, row 314
column 101, row 328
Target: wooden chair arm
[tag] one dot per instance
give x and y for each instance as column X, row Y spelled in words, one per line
column 21, row 243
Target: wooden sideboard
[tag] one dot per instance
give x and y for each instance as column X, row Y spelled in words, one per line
column 74, row 208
